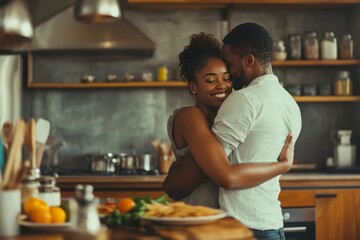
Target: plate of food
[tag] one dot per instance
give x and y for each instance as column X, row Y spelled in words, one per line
column 46, row 227
column 179, row 213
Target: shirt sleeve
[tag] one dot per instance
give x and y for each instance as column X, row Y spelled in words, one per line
column 234, row 121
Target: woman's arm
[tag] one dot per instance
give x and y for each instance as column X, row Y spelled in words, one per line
column 211, row 158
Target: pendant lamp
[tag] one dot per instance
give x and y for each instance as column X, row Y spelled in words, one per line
column 94, row 11
column 15, row 23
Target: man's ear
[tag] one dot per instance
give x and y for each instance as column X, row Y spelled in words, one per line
column 249, row 60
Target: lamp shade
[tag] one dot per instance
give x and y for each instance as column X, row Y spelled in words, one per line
column 15, row 23
column 92, row 11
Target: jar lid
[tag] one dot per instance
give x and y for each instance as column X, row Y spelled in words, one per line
column 343, row 74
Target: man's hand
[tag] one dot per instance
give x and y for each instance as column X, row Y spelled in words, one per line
column 287, row 153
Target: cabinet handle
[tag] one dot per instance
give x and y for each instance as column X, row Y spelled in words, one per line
column 329, row 195
column 295, row 229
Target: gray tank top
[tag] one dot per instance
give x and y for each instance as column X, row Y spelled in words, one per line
column 207, row 192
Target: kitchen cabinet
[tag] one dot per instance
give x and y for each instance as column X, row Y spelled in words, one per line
column 337, row 214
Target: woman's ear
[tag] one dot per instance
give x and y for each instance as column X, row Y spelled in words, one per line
column 192, row 88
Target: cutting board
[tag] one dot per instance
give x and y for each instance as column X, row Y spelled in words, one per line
column 224, row 229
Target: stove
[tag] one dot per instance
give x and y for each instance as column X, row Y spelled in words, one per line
column 86, row 172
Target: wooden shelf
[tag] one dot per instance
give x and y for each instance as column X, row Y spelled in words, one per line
column 107, row 85
column 235, row 4
column 327, row 98
column 316, row 63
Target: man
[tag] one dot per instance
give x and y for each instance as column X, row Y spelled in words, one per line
column 251, row 125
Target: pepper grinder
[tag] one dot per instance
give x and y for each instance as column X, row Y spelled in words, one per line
column 84, row 215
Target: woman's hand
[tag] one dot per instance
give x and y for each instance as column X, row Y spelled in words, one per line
column 286, row 156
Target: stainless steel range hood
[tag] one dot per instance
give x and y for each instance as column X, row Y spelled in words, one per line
column 63, row 33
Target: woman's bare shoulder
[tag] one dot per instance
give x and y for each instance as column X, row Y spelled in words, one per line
column 189, row 113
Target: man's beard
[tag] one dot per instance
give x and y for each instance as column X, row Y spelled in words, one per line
column 239, row 82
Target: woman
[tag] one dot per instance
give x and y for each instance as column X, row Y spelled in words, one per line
column 189, row 129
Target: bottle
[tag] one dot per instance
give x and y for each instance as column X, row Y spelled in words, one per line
column 295, row 46
column 343, row 84
column 311, row 46
column 346, row 47
column 48, row 191
column 329, row 47
column 84, row 215
column 279, row 52
column 163, row 73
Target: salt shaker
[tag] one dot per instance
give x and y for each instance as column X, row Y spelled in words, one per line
column 84, row 215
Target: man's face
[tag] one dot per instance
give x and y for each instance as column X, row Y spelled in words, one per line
column 235, row 67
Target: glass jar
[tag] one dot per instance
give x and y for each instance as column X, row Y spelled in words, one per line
column 48, row 192
column 295, row 46
column 311, row 46
column 329, row 46
column 163, row 73
column 343, row 84
column 29, row 188
column 279, row 52
column 346, row 47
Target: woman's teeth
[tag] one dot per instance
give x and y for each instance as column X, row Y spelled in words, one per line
column 220, row 95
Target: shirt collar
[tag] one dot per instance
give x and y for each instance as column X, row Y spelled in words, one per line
column 266, row 77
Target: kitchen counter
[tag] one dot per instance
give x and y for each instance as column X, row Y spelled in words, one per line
column 149, row 183
column 225, row 228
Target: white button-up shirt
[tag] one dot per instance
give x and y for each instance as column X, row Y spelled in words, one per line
column 252, row 124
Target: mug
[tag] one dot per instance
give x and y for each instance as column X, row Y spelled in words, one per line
column 10, row 208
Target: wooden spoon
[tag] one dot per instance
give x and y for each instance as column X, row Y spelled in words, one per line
column 7, row 135
column 13, row 162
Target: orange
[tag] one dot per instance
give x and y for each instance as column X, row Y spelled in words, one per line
column 40, row 216
column 33, row 204
column 58, row 215
column 125, row 205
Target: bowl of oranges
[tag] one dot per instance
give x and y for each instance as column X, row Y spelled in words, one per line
column 40, row 216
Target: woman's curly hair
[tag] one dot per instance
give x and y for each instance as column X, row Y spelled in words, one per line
column 193, row 58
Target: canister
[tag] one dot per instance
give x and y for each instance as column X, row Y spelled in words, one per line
column 311, row 46
column 163, row 73
column 346, row 47
column 343, row 84
column 48, row 192
column 295, row 46
column 329, row 46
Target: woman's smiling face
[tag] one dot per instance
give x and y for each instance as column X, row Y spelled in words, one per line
column 213, row 83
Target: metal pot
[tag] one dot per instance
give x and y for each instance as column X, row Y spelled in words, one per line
column 144, row 162
column 127, row 161
column 105, row 164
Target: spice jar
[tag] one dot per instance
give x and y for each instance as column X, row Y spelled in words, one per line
column 29, row 188
column 343, row 84
column 295, row 46
column 311, row 46
column 163, row 73
column 279, row 52
column 48, row 192
column 346, row 47
column 329, row 47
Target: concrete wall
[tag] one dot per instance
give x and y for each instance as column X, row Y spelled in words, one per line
column 122, row 120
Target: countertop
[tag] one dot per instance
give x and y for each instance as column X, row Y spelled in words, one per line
column 291, row 180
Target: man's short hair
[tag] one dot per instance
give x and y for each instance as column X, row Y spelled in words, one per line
column 251, row 38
